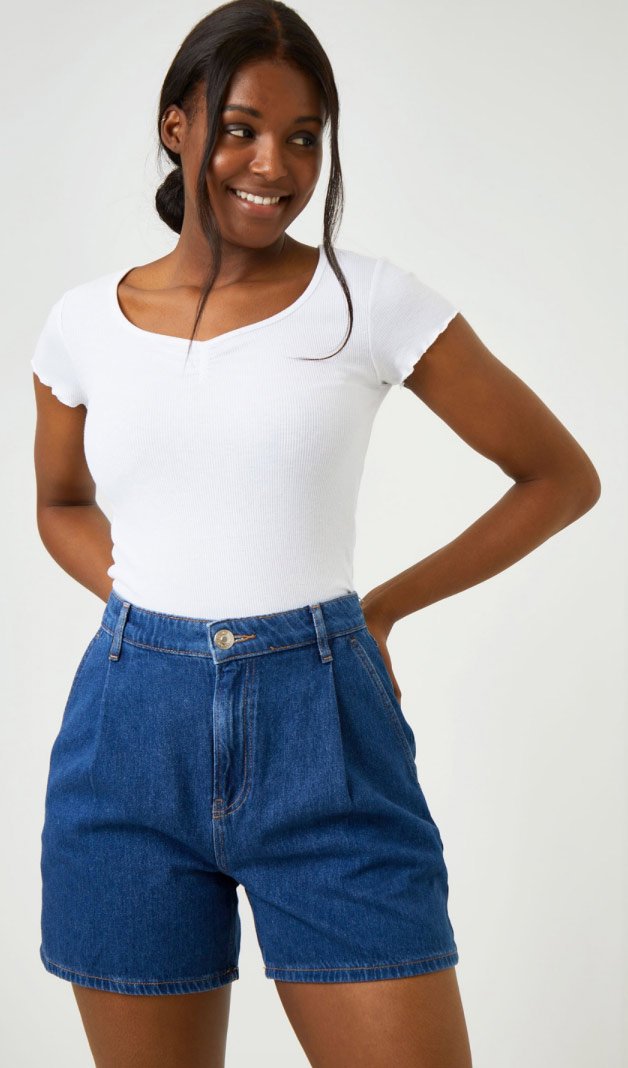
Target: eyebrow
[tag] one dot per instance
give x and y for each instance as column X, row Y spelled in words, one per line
column 258, row 115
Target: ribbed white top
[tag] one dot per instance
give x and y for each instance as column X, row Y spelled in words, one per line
column 231, row 477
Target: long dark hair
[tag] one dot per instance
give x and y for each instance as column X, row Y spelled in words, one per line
column 222, row 41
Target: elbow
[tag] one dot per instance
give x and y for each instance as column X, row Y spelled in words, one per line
column 43, row 523
column 589, row 488
column 569, row 492
column 583, row 489
column 579, row 479
column 595, row 492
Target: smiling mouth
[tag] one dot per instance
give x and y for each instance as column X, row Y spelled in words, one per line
column 255, row 204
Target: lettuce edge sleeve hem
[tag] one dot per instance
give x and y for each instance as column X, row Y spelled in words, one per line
column 412, row 358
column 66, row 395
column 52, row 360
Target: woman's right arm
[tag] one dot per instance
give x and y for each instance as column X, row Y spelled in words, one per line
column 73, row 528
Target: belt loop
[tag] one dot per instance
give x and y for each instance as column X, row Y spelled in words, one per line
column 116, row 642
column 321, row 632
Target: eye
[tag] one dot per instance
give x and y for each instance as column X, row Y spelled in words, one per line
column 237, row 131
column 311, row 141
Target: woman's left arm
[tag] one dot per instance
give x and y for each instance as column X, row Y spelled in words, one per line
column 499, row 416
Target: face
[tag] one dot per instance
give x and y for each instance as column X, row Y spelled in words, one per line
column 269, row 143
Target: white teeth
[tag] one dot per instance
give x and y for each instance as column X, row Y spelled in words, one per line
column 256, row 200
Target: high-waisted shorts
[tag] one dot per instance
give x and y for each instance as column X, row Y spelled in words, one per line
column 197, row 754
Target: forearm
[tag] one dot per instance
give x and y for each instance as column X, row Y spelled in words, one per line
column 78, row 537
column 528, row 514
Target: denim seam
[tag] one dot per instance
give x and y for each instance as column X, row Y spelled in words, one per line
column 99, row 724
column 82, row 663
column 219, row 850
column 359, row 967
column 246, row 783
column 143, row 982
column 393, row 715
column 218, row 800
column 240, row 656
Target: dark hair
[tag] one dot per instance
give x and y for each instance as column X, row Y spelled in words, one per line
column 232, row 34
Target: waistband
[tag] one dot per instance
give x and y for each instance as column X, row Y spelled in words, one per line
column 231, row 638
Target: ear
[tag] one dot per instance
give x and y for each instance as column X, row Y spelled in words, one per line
column 174, row 128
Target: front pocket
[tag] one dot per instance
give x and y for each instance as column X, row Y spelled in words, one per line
column 374, row 665
column 82, row 665
column 71, row 751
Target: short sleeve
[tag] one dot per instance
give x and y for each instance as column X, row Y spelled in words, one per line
column 53, row 363
column 405, row 317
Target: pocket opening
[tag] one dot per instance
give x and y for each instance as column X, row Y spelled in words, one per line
column 390, row 703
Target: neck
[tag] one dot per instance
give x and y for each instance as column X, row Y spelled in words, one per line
column 190, row 261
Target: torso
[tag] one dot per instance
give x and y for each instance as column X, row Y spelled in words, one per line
column 230, row 469
column 149, row 302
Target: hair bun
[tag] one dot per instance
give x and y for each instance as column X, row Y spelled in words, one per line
column 170, row 199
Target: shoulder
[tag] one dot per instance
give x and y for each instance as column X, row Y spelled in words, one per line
column 359, row 270
column 391, row 288
column 85, row 294
column 386, row 278
column 406, row 315
column 83, row 307
column 357, row 263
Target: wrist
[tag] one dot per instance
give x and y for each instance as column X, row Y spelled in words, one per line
column 377, row 612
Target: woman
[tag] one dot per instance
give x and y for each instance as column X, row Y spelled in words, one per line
column 236, row 718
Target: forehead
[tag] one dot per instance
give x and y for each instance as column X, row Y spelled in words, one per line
column 274, row 88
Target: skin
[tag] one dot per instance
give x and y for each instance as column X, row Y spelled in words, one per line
column 415, row 1022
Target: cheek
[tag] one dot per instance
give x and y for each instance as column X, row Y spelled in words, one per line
column 222, row 166
column 309, row 179
column 220, row 163
column 311, row 170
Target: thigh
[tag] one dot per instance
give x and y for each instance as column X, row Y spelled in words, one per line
column 413, row 1022
column 167, row 1031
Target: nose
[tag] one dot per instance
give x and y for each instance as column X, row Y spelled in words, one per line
column 269, row 161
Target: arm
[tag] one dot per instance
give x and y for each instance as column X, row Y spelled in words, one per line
column 498, row 415
column 73, row 528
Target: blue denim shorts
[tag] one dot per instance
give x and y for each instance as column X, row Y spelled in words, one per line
column 269, row 750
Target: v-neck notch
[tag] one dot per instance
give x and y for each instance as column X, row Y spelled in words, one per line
column 177, row 343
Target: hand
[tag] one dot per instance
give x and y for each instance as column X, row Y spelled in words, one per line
column 379, row 629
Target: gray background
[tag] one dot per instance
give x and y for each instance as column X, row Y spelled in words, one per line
column 483, row 147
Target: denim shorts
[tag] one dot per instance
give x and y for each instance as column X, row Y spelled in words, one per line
column 269, row 750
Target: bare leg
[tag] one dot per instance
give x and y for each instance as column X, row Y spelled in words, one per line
column 415, row 1022
column 155, row 1031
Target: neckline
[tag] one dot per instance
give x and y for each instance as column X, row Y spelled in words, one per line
column 176, row 342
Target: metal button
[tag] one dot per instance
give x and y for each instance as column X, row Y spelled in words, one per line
column 224, row 638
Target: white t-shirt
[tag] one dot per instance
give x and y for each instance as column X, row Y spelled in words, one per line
column 231, row 478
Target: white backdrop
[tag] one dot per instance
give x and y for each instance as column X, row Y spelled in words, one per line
column 483, row 147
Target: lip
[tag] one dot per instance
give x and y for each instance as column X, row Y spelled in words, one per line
column 263, row 210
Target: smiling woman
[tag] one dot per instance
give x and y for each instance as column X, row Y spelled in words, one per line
column 235, row 720
column 276, row 153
